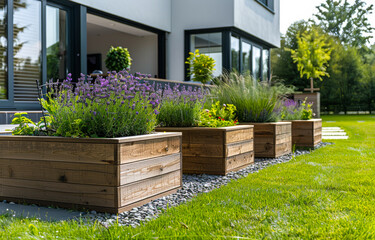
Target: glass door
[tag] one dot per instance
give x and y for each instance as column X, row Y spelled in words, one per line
column 57, row 48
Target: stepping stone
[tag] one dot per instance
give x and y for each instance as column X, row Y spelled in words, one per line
column 334, row 133
column 335, row 137
column 361, row 121
column 333, row 130
column 330, row 121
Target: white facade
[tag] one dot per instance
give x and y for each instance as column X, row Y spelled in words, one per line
column 176, row 16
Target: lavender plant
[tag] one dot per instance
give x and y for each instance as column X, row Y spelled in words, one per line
column 291, row 110
column 116, row 106
column 180, row 108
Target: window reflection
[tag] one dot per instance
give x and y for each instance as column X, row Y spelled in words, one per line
column 26, row 49
column 235, row 53
column 3, row 51
column 211, row 45
column 266, row 56
column 56, row 43
column 246, row 57
column 256, row 62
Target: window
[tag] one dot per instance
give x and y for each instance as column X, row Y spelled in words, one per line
column 267, row 3
column 56, row 43
column 265, row 60
column 211, row 45
column 246, row 57
column 3, row 52
column 256, row 62
column 27, row 49
column 235, row 53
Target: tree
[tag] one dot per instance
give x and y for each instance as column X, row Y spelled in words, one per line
column 368, row 80
column 283, row 67
column 347, row 22
column 312, row 55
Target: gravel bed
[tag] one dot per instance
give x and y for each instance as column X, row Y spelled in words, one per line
column 192, row 186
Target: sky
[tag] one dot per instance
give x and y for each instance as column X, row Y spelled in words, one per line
column 294, row 10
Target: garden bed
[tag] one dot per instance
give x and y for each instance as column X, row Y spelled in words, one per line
column 306, row 133
column 215, row 150
column 108, row 175
column 272, row 139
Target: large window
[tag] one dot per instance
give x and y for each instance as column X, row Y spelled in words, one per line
column 235, row 53
column 56, row 43
column 211, row 45
column 246, row 57
column 3, row 52
column 26, row 49
column 267, row 3
column 256, row 62
column 265, row 64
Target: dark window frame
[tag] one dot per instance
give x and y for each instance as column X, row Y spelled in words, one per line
column 227, row 32
column 267, row 4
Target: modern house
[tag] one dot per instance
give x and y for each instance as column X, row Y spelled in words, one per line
column 44, row 39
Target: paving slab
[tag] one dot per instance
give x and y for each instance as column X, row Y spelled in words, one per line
column 42, row 213
column 334, row 133
column 335, row 137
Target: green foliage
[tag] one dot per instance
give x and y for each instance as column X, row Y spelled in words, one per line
column 180, row 112
column 26, row 126
column 255, row 101
column 291, row 110
column 346, row 21
column 312, row 54
column 118, row 59
column 220, row 115
column 327, row 194
column 201, row 67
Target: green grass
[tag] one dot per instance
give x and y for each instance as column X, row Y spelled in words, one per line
column 328, row 194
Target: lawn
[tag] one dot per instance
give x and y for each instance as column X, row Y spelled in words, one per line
column 328, row 194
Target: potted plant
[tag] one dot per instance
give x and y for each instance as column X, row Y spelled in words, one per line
column 212, row 143
column 118, row 59
column 255, row 103
column 95, row 148
column 306, row 131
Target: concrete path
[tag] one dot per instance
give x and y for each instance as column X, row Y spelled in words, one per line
column 333, row 133
column 42, row 213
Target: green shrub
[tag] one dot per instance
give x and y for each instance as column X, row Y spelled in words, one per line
column 291, row 110
column 180, row 108
column 201, row 67
column 118, row 59
column 220, row 115
column 255, row 101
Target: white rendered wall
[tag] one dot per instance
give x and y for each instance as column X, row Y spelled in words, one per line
column 252, row 17
column 154, row 13
column 143, row 50
column 193, row 14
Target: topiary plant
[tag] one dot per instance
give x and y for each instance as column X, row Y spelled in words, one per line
column 118, row 59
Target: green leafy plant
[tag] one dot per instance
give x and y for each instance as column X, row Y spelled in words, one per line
column 201, row 67
column 291, row 110
column 26, row 126
column 118, row 59
column 180, row 108
column 220, row 115
column 255, row 101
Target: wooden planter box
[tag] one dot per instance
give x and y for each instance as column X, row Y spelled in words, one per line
column 215, row 150
column 272, row 140
column 306, row 133
column 107, row 175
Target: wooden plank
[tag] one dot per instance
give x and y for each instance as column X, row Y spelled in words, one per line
column 66, row 172
column 58, row 151
column 134, row 151
column 264, row 150
column 149, row 168
column 283, row 148
column 199, row 135
column 203, row 150
column 240, row 161
column 58, row 192
column 134, row 192
column 239, row 148
column 203, row 165
column 240, row 135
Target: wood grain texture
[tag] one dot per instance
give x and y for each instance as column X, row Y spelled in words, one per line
column 105, row 175
column 134, row 151
column 137, row 191
column 207, row 150
column 237, row 162
column 272, row 139
column 306, row 133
